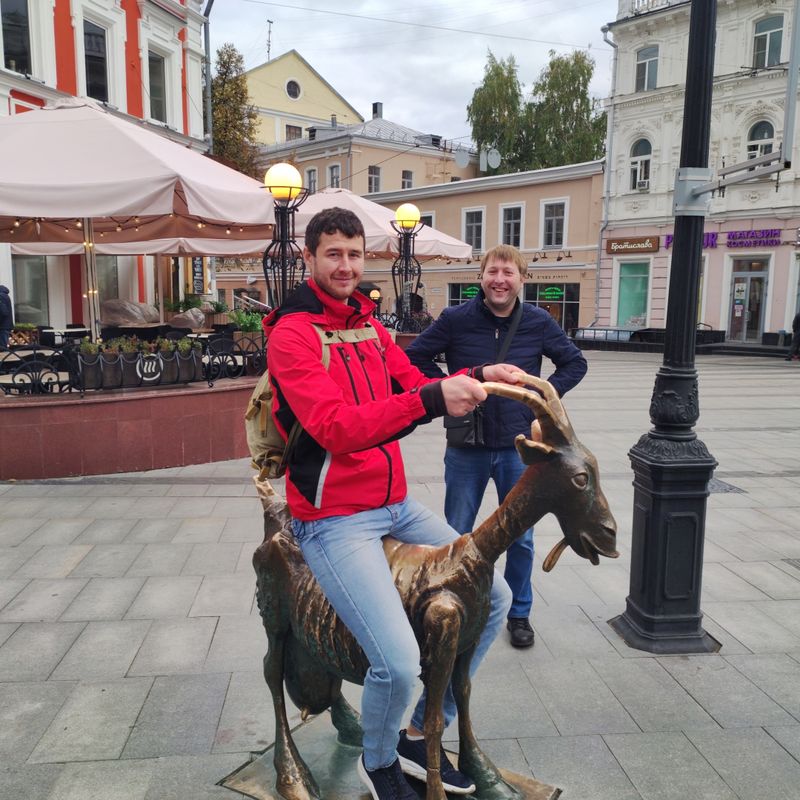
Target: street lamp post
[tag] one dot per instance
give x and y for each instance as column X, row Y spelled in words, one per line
column 283, row 262
column 406, row 270
column 376, row 297
column 672, row 466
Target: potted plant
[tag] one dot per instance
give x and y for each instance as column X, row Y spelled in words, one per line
column 250, row 335
column 90, row 367
column 218, row 314
column 24, row 333
column 188, row 354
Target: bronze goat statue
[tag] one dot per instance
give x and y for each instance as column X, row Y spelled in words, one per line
column 445, row 592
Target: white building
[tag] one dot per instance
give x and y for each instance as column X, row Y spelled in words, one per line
column 749, row 284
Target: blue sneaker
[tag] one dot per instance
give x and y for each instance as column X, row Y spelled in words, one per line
column 414, row 761
column 386, row 783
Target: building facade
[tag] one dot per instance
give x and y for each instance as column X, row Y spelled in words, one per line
column 143, row 59
column 290, row 96
column 551, row 215
column 750, row 275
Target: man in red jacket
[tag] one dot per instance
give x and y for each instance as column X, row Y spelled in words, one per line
column 346, row 485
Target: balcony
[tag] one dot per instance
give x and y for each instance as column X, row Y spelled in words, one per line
column 630, row 8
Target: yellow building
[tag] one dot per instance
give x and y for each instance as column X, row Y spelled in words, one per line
column 291, row 96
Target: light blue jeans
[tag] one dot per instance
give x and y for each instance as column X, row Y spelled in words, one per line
column 346, row 556
column 467, row 471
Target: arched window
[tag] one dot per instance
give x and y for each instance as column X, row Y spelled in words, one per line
column 760, row 139
column 767, row 42
column 646, row 69
column 640, row 165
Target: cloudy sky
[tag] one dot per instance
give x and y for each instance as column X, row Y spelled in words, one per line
column 422, row 59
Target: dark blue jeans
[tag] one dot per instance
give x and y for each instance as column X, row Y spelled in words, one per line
column 467, row 471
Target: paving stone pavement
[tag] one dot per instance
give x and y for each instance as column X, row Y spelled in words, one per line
column 130, row 647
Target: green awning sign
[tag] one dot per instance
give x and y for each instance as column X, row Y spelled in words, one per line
column 470, row 291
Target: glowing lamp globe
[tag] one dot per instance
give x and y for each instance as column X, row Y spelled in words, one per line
column 407, row 215
column 283, row 181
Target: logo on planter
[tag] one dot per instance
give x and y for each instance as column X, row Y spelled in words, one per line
column 148, row 369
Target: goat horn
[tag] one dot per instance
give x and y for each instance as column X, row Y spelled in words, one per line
column 554, row 555
column 550, row 395
column 526, row 396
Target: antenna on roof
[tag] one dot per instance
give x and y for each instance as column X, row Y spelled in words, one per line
column 269, row 38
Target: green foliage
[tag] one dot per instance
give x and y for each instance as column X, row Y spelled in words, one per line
column 24, row 326
column 219, row 307
column 234, row 119
column 190, row 301
column 246, row 321
column 88, row 348
column 186, row 345
column 172, row 305
column 559, row 124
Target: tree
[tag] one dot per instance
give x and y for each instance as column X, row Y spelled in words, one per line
column 566, row 126
column 234, row 119
column 494, row 112
column 559, row 124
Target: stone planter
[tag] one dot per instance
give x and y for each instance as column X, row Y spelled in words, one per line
column 130, row 370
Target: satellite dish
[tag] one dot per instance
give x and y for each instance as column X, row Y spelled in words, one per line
column 462, row 158
column 493, row 158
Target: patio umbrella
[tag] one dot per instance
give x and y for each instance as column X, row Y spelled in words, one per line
column 80, row 179
column 381, row 238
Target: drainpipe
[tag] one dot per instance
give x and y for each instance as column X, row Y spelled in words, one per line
column 607, row 176
column 209, row 118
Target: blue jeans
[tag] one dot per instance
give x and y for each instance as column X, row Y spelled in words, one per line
column 346, row 555
column 467, row 471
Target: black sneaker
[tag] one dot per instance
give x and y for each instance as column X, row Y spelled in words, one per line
column 414, row 761
column 387, row 783
column 521, row 632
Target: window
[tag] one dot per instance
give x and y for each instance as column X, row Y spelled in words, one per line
column 459, row 293
column 427, row 219
column 553, row 217
column 646, row 69
column 107, row 278
column 767, row 42
column 561, row 300
column 373, row 179
column 760, row 139
column 158, row 86
column 293, row 89
column 16, row 35
column 334, row 175
column 473, row 229
column 406, row 179
column 94, row 45
column 293, row 132
column 311, row 180
column 511, row 226
column 633, row 285
column 29, row 274
column 640, row 165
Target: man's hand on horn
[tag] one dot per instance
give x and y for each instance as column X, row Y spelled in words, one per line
column 462, row 394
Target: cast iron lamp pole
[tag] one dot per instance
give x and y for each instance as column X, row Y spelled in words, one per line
column 672, row 466
column 375, row 296
column 283, row 262
column 406, row 268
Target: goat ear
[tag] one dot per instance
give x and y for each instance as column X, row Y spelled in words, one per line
column 532, row 452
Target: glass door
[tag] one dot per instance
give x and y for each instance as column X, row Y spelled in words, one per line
column 746, row 323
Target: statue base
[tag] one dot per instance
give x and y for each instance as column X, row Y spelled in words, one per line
column 333, row 766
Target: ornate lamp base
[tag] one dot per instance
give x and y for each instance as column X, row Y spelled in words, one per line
column 333, row 765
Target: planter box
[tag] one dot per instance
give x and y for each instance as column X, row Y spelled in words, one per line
column 130, row 370
column 17, row 337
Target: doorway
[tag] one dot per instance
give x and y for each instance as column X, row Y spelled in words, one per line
column 748, row 295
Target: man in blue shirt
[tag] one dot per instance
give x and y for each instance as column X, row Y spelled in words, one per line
column 474, row 333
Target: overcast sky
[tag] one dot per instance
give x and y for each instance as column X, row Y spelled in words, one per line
column 399, row 54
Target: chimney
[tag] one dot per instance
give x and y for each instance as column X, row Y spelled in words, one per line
column 377, row 111
column 333, row 120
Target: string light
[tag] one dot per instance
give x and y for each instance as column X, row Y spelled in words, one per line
column 119, row 227
column 17, row 223
column 228, row 231
column 78, row 223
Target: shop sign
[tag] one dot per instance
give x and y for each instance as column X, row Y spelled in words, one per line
column 469, row 292
column 551, row 292
column 539, row 277
column 640, row 244
column 758, row 237
column 198, row 278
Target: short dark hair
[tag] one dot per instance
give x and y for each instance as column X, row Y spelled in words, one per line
column 330, row 221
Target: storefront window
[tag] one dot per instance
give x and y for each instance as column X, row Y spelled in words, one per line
column 561, row 300
column 29, row 274
column 633, row 286
column 107, row 278
column 461, row 292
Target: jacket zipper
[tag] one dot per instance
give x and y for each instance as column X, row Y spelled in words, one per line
column 361, row 359
column 389, row 464
column 345, row 359
column 385, row 369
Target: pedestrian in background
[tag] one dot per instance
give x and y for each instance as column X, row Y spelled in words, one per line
column 495, row 326
column 794, row 350
column 6, row 317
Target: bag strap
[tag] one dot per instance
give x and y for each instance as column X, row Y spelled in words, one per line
column 510, row 335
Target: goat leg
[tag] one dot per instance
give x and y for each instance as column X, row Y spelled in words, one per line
column 472, row 761
column 294, row 779
column 346, row 720
column 442, row 625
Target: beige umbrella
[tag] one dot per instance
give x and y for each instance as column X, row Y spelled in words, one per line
column 84, row 180
column 381, row 237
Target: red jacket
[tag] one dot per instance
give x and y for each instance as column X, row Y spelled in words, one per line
column 347, row 458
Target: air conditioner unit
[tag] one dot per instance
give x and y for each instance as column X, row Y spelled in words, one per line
column 643, row 186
